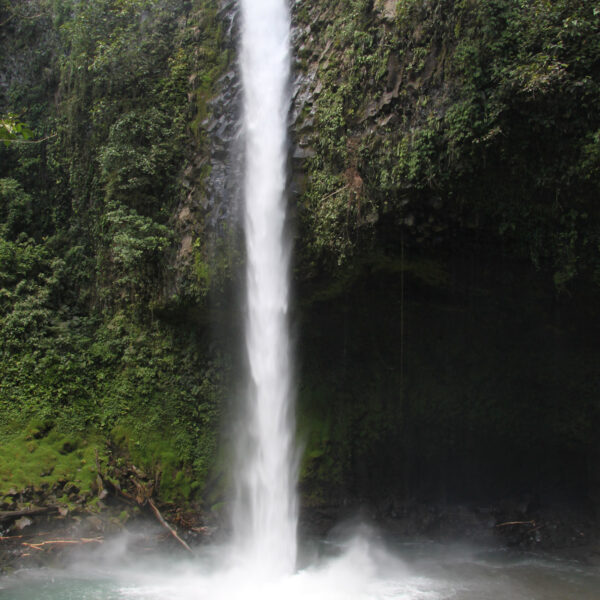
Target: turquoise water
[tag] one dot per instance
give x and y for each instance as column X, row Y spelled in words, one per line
column 57, row 587
column 359, row 570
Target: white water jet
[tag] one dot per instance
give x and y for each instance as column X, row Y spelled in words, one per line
column 265, row 513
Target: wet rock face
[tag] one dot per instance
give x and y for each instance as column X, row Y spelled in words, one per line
column 364, row 86
column 387, row 9
column 222, row 199
column 213, row 203
column 310, row 51
column 222, row 193
column 314, row 50
column 223, row 128
column 307, row 58
column 209, row 211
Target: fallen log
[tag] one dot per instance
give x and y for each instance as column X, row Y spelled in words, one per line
column 31, row 512
column 167, row 526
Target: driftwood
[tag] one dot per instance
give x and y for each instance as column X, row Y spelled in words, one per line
column 31, row 512
column 38, row 545
column 142, row 497
column 508, row 523
column 167, row 526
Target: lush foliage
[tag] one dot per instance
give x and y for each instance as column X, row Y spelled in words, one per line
column 87, row 241
column 13, row 130
column 429, row 126
column 478, row 117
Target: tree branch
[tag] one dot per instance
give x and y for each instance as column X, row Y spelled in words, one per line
column 167, row 526
column 12, row 515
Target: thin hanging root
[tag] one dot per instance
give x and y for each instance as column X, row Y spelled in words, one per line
column 344, row 187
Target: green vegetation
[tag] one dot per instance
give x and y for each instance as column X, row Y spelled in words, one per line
column 434, row 129
column 440, row 132
column 42, row 459
column 474, row 117
column 119, row 91
column 12, row 130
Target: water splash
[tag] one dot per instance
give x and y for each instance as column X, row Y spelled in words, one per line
column 359, row 569
column 265, row 514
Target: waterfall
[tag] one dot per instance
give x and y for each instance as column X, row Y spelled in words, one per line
column 265, row 513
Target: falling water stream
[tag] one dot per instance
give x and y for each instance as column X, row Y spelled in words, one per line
column 261, row 561
column 265, row 512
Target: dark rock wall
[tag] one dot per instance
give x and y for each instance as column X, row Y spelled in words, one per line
column 448, row 337
column 458, row 381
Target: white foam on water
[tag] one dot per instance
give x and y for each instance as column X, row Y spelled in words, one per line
column 362, row 573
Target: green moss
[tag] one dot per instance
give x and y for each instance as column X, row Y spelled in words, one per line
column 53, row 458
column 155, row 451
